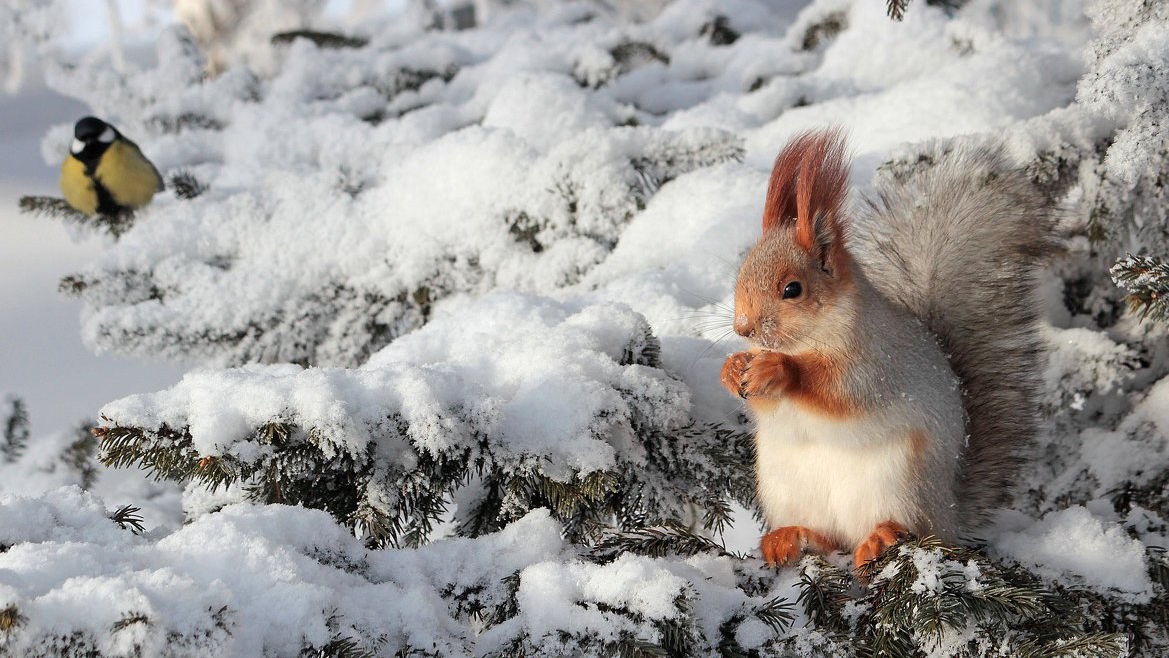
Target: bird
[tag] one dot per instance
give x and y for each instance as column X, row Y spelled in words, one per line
column 105, row 173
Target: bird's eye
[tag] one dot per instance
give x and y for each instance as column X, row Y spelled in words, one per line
column 792, row 290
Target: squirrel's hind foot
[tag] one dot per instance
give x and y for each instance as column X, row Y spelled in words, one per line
column 885, row 535
column 784, row 545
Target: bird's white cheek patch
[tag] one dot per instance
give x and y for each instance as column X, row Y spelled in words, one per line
column 106, row 136
column 77, row 146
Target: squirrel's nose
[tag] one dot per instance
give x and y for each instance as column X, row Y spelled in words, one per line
column 743, row 326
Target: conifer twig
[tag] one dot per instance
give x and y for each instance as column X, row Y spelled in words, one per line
column 128, row 518
column 896, row 8
column 1146, row 279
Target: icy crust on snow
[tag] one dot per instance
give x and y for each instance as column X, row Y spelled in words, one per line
column 356, row 189
column 536, row 380
column 275, row 580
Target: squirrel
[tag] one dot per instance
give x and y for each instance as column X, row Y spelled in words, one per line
column 893, row 375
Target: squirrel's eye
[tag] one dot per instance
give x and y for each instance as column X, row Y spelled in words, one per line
column 792, row 290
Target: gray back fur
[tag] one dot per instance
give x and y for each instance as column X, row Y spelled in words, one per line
column 959, row 244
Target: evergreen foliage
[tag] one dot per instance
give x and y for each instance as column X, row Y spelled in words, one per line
column 10, row 620
column 45, row 206
column 14, row 428
column 320, row 39
column 128, row 518
column 896, row 8
column 1146, row 279
column 293, row 232
column 186, row 186
column 663, row 473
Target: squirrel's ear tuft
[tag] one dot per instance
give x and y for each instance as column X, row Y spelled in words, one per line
column 808, row 186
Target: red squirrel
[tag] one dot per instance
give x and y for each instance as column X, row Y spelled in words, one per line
column 892, row 375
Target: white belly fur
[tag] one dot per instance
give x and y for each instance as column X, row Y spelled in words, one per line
column 840, row 478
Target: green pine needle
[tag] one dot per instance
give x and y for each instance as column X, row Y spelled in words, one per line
column 1146, row 279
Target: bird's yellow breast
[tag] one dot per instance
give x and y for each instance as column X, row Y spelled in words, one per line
column 77, row 186
column 127, row 174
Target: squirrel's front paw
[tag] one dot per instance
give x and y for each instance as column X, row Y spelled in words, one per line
column 733, row 370
column 766, row 375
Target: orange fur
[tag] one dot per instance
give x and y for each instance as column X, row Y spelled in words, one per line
column 885, row 535
column 784, row 545
column 810, row 380
column 733, row 370
column 769, row 374
column 818, row 385
column 918, row 441
column 809, row 178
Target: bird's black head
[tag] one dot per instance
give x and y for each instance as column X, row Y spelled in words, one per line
column 91, row 138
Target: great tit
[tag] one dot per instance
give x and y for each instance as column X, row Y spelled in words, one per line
column 105, row 172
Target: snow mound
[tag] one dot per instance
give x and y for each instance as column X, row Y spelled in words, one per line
column 537, row 380
column 1073, row 541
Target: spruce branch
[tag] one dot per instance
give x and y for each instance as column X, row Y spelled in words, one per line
column 128, row 518
column 174, row 123
column 1146, row 279
column 661, row 541
column 54, row 208
column 1094, row 644
column 718, row 31
column 824, row 590
column 14, row 431
column 186, row 186
column 896, row 8
column 777, row 614
column 60, row 209
column 11, row 620
column 319, row 38
column 129, row 619
column 47, row 206
column 79, row 456
column 910, row 609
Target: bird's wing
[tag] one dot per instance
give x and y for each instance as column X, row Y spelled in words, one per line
column 161, row 185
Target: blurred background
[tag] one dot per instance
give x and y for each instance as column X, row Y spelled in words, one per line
column 41, row 353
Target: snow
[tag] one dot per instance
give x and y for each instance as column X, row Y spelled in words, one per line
column 42, row 359
column 551, row 592
column 1073, row 541
column 63, row 515
column 289, row 574
column 550, row 388
column 245, row 561
column 511, row 175
column 452, row 242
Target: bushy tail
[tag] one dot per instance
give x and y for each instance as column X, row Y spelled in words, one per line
column 960, row 244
